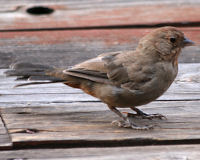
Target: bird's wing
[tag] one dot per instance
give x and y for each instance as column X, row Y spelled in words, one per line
column 117, row 68
column 92, row 69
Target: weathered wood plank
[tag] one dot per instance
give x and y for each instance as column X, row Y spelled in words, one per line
column 65, row 48
column 5, row 142
column 181, row 152
column 78, row 124
column 98, row 13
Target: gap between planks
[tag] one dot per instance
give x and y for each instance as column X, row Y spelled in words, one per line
column 5, row 141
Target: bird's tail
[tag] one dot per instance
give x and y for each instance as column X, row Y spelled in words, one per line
column 41, row 74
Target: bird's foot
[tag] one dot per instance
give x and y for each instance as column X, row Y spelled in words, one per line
column 152, row 116
column 145, row 115
column 129, row 124
column 148, row 116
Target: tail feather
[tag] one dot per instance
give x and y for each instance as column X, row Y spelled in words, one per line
column 35, row 83
column 29, row 71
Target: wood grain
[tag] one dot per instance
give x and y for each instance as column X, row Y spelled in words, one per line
column 181, row 152
column 45, row 122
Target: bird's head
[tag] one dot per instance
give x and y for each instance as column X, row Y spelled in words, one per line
column 165, row 41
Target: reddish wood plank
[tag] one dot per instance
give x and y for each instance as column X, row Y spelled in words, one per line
column 87, row 15
column 64, row 48
column 109, row 36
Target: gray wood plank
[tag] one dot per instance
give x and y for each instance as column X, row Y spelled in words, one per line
column 181, row 152
column 185, row 88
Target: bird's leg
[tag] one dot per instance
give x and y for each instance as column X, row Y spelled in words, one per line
column 127, row 122
column 147, row 116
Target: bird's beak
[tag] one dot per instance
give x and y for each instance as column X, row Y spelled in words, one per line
column 187, row 42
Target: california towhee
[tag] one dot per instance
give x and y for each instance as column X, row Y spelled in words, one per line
column 120, row 79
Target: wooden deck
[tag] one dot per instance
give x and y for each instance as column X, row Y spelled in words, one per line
column 54, row 121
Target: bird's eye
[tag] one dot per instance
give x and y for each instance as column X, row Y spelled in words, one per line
column 172, row 40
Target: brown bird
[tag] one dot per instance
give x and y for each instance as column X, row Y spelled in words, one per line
column 124, row 79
